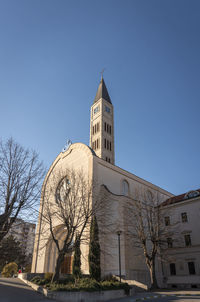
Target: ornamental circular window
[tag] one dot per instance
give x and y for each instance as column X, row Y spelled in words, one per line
column 62, row 190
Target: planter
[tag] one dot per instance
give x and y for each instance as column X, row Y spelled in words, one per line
column 79, row 296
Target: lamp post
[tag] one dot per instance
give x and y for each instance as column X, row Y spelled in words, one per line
column 118, row 234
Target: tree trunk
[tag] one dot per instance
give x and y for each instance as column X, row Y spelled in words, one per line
column 154, row 284
column 59, row 261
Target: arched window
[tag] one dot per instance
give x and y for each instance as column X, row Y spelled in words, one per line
column 125, row 188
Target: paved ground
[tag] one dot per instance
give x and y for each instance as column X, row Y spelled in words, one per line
column 15, row 290
column 163, row 296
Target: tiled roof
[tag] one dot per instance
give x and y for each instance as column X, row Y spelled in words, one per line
column 182, row 197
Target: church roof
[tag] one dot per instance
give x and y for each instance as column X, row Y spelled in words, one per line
column 102, row 92
column 181, row 197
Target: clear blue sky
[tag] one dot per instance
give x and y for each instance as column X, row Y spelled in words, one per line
column 51, row 55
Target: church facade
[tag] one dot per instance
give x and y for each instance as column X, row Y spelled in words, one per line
column 97, row 162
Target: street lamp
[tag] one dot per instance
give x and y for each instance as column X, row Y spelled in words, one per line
column 118, row 234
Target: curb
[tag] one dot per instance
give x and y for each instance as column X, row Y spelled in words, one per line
column 36, row 287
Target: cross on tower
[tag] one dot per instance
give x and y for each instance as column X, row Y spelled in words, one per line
column 102, row 72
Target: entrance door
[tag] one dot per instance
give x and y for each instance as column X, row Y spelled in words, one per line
column 66, row 266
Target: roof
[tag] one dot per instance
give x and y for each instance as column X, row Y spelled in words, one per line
column 181, row 197
column 102, row 92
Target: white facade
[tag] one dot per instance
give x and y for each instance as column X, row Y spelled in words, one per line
column 24, row 232
column 181, row 260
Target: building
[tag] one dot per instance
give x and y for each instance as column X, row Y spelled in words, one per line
column 181, row 264
column 24, row 232
column 97, row 162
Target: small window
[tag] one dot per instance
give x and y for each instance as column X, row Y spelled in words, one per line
column 125, row 188
column 110, row 146
column 106, row 158
column 93, row 145
column 184, row 217
column 110, row 129
column 191, row 268
column 109, row 160
column 97, row 143
column 187, row 240
column 107, row 109
column 95, row 128
column 105, row 126
column 96, row 109
column 172, row 267
column 169, row 242
column 167, row 220
column 105, row 143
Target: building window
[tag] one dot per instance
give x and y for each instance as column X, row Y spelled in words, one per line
column 105, row 126
column 96, row 109
column 167, row 220
column 97, row 127
column 109, row 160
column 93, row 130
column 110, row 146
column 125, row 188
column 191, row 268
column 187, row 240
column 110, row 129
column 172, row 267
column 105, row 143
column 95, row 145
column 184, row 217
column 107, row 109
column 169, row 242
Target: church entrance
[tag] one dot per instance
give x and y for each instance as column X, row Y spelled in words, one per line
column 66, row 266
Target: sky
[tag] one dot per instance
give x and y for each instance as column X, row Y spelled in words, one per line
column 51, row 56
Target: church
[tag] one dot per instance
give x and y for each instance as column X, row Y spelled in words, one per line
column 97, row 161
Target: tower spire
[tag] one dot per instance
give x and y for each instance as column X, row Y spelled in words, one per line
column 102, row 124
column 102, row 92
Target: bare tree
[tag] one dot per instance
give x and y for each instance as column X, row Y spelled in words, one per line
column 68, row 201
column 145, row 221
column 21, row 174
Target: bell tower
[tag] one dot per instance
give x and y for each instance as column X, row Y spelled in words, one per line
column 102, row 125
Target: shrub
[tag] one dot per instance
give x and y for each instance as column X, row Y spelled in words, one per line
column 27, row 268
column 109, row 277
column 39, row 281
column 9, row 270
column 48, row 276
column 88, row 284
column 36, row 279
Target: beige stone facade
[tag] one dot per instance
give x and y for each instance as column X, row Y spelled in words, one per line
column 119, row 186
